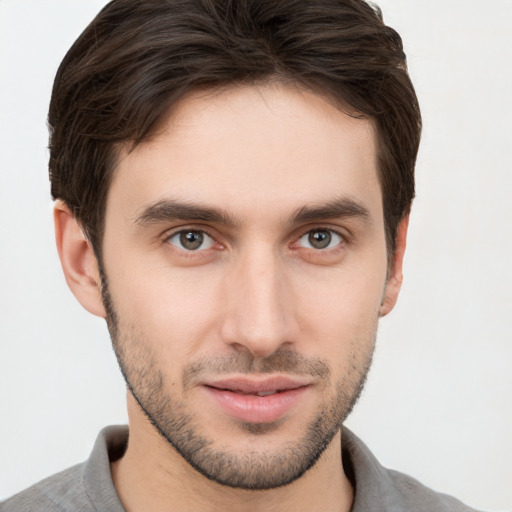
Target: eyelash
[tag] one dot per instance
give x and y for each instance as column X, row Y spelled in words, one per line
column 168, row 237
column 344, row 239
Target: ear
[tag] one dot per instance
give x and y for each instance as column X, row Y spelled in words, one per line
column 78, row 260
column 395, row 276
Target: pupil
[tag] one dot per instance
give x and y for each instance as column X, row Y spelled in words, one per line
column 320, row 239
column 191, row 240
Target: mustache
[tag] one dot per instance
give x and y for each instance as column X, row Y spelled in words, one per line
column 283, row 361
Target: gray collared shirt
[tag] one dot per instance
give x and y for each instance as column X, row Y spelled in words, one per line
column 88, row 487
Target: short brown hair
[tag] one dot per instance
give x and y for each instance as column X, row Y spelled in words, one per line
column 139, row 57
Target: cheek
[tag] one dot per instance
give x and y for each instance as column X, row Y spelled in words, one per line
column 346, row 299
column 341, row 315
column 167, row 309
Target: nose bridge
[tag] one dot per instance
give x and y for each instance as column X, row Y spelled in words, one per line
column 258, row 316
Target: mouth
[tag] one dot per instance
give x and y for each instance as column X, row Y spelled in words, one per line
column 255, row 393
column 257, row 400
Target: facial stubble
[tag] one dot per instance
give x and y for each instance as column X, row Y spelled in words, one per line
column 254, row 470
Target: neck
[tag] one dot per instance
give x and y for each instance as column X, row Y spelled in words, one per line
column 153, row 476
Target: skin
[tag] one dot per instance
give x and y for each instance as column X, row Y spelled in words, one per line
column 257, row 289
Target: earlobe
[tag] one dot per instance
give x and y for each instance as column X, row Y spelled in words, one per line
column 395, row 276
column 78, row 260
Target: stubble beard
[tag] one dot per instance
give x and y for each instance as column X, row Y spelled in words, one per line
column 249, row 470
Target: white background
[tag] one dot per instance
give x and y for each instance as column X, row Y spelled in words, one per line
column 438, row 404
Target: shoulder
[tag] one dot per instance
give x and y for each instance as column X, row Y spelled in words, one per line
column 413, row 495
column 64, row 491
column 386, row 490
column 86, row 487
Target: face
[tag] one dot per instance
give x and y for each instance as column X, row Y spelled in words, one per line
column 245, row 265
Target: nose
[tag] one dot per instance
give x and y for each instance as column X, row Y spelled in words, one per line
column 259, row 307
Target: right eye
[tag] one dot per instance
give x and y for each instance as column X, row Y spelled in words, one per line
column 191, row 240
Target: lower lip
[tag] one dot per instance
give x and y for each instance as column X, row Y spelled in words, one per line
column 256, row 409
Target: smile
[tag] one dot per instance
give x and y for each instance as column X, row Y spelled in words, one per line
column 257, row 401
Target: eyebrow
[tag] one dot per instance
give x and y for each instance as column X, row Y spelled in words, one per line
column 336, row 209
column 168, row 210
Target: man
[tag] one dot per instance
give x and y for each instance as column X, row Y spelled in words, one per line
column 233, row 182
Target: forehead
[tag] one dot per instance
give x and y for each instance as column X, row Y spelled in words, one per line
column 250, row 149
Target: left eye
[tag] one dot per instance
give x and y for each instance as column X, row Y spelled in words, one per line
column 191, row 240
column 320, row 239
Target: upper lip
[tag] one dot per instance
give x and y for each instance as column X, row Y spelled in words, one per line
column 255, row 384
